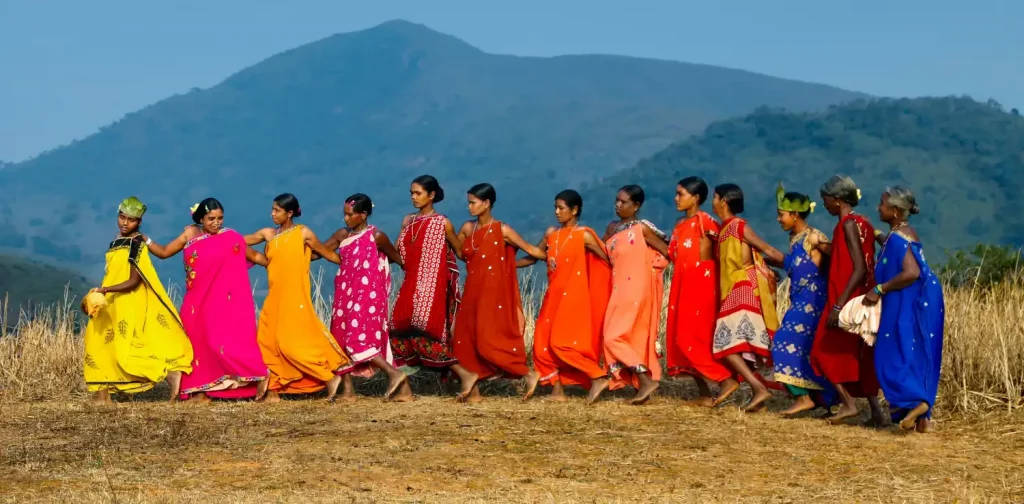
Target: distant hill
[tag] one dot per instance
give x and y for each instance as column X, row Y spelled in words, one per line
column 366, row 112
column 963, row 159
column 25, row 283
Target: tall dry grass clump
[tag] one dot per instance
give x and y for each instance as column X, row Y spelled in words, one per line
column 983, row 362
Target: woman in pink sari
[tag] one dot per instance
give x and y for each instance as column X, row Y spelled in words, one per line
column 359, row 321
column 218, row 312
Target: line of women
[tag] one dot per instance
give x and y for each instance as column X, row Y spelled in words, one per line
column 598, row 324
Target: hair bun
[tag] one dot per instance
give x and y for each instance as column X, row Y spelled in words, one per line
column 438, row 195
column 914, row 210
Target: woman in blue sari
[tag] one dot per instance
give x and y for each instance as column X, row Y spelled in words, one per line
column 791, row 347
column 908, row 351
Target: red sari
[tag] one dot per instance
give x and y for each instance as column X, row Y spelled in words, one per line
column 489, row 329
column 428, row 298
column 843, row 357
column 567, row 343
column 693, row 302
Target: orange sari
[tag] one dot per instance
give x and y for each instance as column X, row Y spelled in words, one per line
column 634, row 308
column 567, row 336
column 693, row 302
column 299, row 350
column 489, row 328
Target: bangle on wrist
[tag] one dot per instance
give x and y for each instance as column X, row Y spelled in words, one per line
column 149, row 241
column 879, row 290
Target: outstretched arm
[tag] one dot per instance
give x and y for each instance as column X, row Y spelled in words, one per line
column 771, row 254
column 259, row 237
column 512, row 238
column 654, row 241
column 176, row 245
column 332, row 243
column 452, row 238
column 256, row 257
column 316, row 246
column 591, row 245
column 384, row 245
column 542, row 246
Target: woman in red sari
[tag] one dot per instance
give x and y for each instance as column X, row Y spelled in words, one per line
column 840, row 356
column 428, row 299
column 489, row 328
column 693, row 295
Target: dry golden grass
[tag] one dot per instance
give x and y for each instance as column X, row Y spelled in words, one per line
column 55, row 447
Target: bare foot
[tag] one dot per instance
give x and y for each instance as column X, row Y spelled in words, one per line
column 101, row 397
column 174, row 381
column 909, row 422
column 261, row 388
column 468, row 383
column 404, row 393
column 272, row 397
column 596, row 387
column 200, row 397
column 803, row 403
column 532, row 379
column 701, row 402
column 332, row 388
column 474, row 396
column 557, row 393
column 761, row 394
column 394, row 383
column 727, row 388
column 925, row 426
column 644, row 393
column 845, row 412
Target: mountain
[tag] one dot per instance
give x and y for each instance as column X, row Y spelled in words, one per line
column 963, row 159
column 367, row 112
column 25, row 283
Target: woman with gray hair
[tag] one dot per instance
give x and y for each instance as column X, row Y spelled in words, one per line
column 842, row 357
column 909, row 346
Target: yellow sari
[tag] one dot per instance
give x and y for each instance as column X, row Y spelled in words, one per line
column 137, row 339
column 747, row 320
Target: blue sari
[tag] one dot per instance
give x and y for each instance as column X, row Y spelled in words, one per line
column 908, row 351
column 791, row 348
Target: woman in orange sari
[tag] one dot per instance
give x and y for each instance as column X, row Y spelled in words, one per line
column 567, row 336
column 693, row 295
column 747, row 320
column 639, row 255
column 299, row 350
column 490, row 325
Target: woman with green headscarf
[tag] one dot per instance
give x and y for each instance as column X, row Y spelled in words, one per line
column 136, row 339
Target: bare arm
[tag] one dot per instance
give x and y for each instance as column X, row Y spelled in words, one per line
column 384, row 245
column 256, row 257
column 259, row 237
column 609, row 231
column 859, row 270
column 176, row 245
column 134, row 279
column 542, row 245
column 314, row 244
column 654, row 241
column 591, row 245
column 513, row 238
column 905, row 278
column 771, row 254
column 332, row 243
column 452, row 238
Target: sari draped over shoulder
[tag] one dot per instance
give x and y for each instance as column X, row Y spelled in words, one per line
column 299, row 350
column 634, row 307
column 791, row 347
column 137, row 339
column 747, row 320
column 908, row 351
column 842, row 357
column 429, row 297
column 359, row 321
column 219, row 316
column 567, row 342
column 693, row 302
column 490, row 326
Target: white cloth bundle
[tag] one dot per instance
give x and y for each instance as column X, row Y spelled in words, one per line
column 860, row 319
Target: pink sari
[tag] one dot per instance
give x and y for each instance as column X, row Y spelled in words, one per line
column 219, row 317
column 361, row 288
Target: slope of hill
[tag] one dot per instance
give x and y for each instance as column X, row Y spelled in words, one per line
column 367, row 112
column 963, row 159
column 24, row 283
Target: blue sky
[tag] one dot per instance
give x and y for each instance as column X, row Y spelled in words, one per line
column 71, row 66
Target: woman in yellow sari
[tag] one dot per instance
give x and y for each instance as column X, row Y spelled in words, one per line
column 136, row 340
column 297, row 347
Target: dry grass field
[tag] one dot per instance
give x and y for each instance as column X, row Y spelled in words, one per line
column 54, row 447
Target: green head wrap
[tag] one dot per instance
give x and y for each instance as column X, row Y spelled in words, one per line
column 132, row 207
column 788, row 205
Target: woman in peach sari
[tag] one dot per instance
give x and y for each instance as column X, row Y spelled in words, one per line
column 567, row 337
column 301, row 353
column 489, row 328
column 639, row 256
